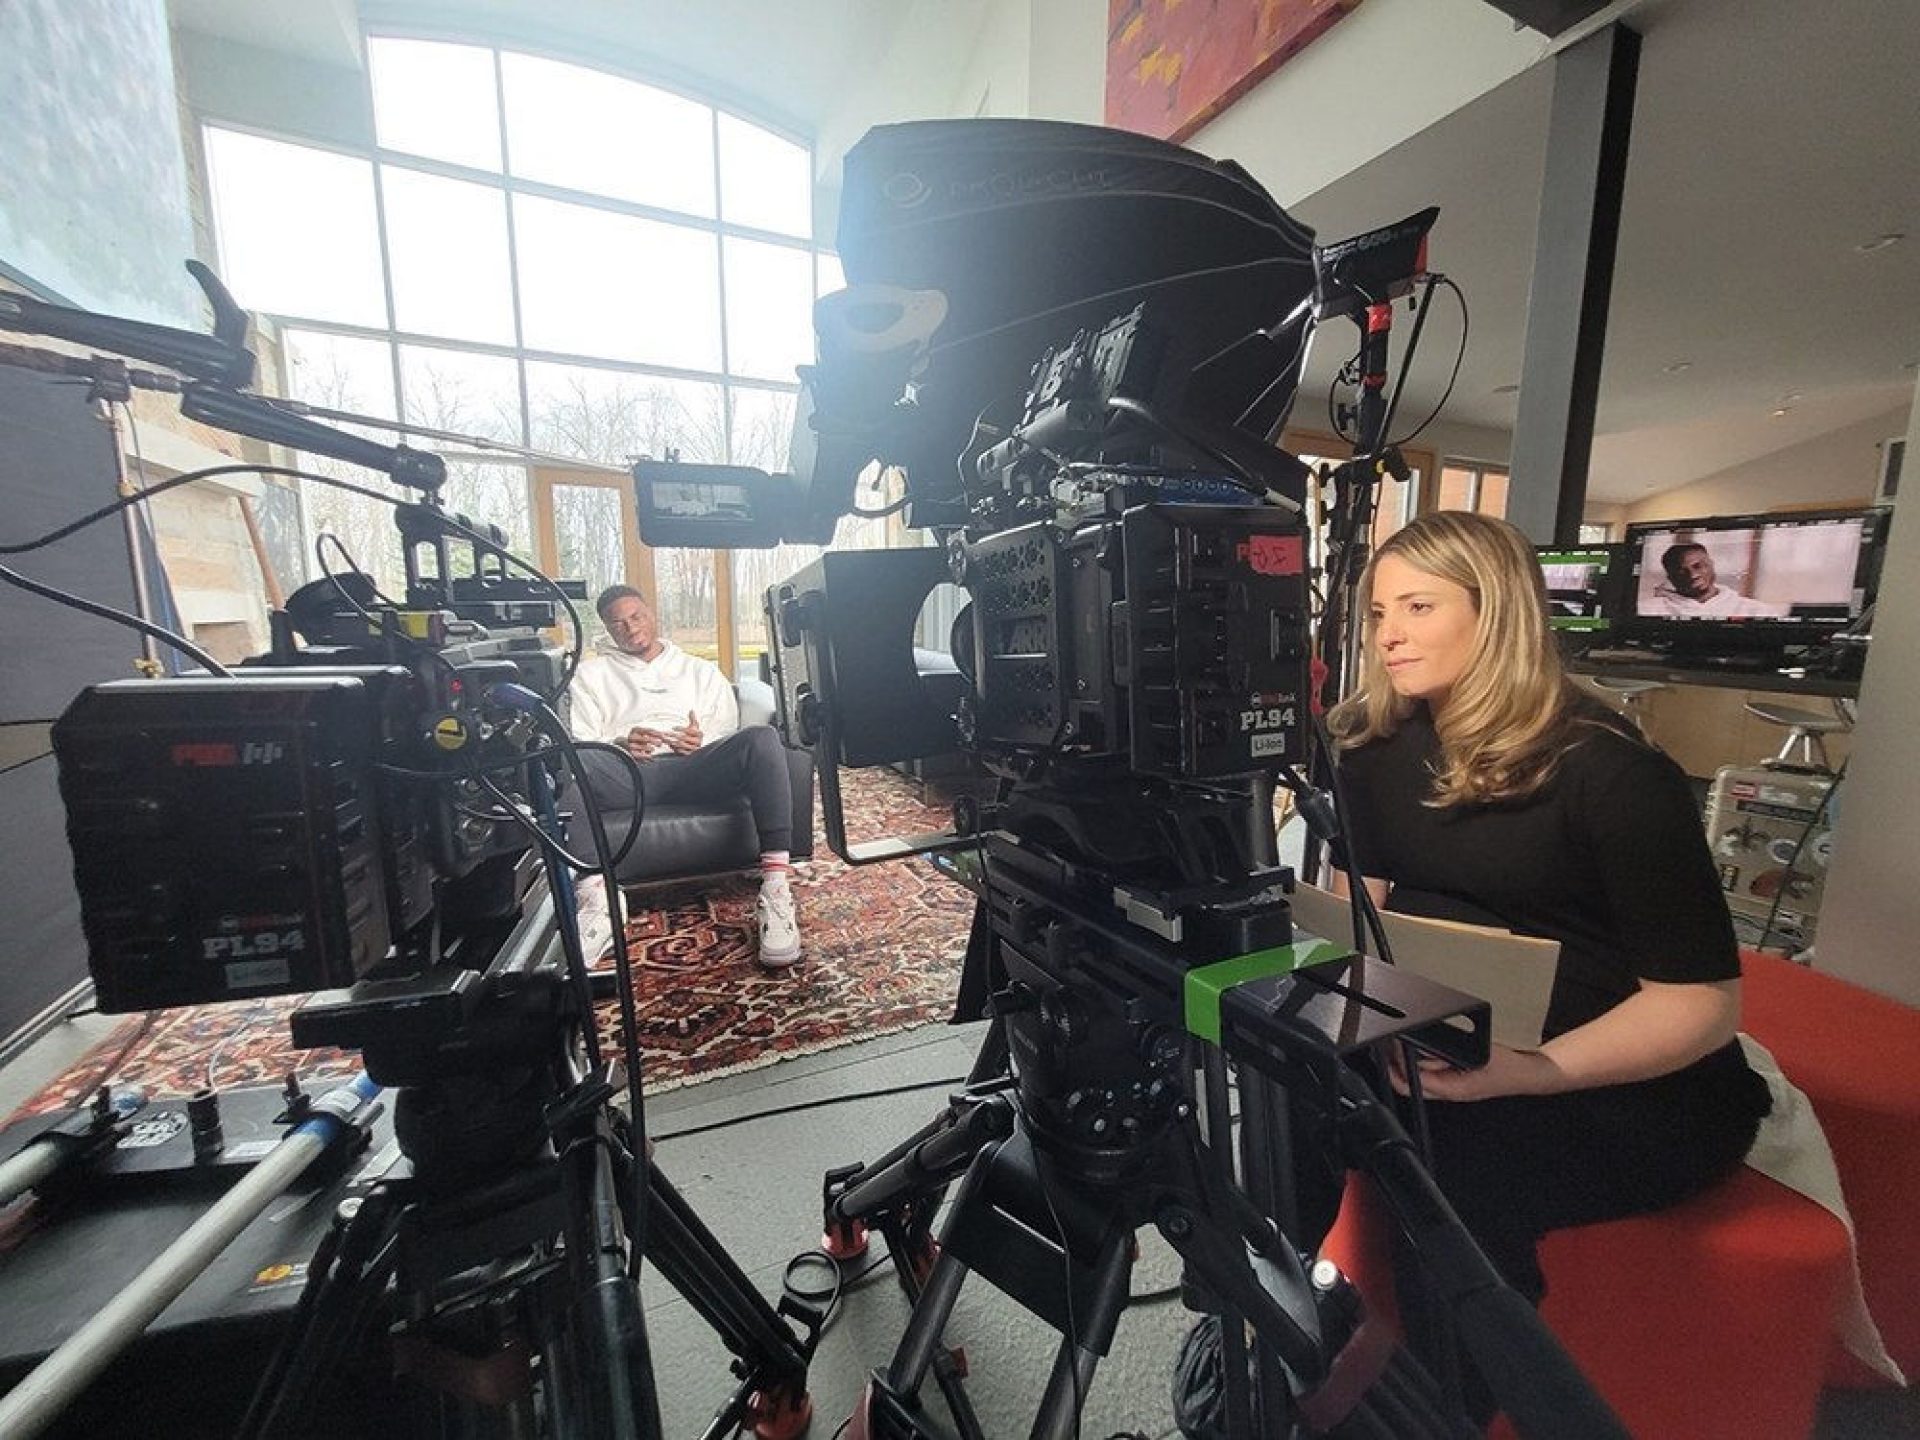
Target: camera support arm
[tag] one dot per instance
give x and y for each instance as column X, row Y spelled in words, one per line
column 219, row 367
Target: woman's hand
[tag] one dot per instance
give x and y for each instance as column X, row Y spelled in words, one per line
column 1652, row 1032
column 1507, row 1072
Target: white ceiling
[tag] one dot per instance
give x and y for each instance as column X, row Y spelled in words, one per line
column 793, row 64
column 1770, row 139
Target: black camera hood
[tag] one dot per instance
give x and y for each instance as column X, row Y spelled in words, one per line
column 1035, row 229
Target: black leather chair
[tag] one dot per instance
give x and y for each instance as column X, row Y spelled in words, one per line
column 679, row 842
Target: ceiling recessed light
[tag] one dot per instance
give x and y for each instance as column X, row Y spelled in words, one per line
column 1782, row 410
column 1506, row 389
column 1880, row 242
column 1676, row 367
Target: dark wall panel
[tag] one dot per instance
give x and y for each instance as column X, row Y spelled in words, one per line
column 56, row 463
column 42, row 955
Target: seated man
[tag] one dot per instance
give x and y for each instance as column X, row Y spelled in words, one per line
column 676, row 715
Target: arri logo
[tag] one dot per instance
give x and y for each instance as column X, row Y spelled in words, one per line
column 1004, row 185
column 905, row 190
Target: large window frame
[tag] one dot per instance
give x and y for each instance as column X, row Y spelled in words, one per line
column 725, row 237
column 1486, row 486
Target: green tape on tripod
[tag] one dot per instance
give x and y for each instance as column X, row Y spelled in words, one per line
column 1207, row 985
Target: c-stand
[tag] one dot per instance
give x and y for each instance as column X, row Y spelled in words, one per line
column 1101, row 1128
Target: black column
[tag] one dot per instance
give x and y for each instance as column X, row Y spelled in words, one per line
column 1592, row 120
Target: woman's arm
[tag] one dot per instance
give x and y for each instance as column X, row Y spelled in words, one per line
column 1377, row 888
column 1653, row 1032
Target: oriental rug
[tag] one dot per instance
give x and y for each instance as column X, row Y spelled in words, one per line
column 882, row 951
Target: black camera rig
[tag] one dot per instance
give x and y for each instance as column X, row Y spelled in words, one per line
column 369, row 814
column 1132, row 667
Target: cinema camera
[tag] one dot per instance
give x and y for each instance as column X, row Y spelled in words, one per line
column 360, row 816
column 1132, row 663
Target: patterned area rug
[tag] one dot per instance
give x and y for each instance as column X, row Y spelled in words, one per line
column 882, row 949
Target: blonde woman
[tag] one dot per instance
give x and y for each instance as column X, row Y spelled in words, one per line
column 1483, row 787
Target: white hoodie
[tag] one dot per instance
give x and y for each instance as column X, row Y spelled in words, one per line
column 613, row 692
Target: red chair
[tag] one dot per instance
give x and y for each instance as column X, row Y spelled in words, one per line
column 1856, row 1054
column 1709, row 1321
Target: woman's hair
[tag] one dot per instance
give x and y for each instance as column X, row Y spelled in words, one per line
column 1510, row 716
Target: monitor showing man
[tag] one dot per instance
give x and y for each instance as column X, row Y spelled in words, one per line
column 1693, row 590
column 676, row 714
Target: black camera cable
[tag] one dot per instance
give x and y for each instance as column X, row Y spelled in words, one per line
column 1345, row 374
column 512, row 812
column 1459, row 356
column 125, row 502
column 623, row 986
column 1326, row 808
column 120, row 617
column 211, row 472
column 37, row 755
column 1237, row 472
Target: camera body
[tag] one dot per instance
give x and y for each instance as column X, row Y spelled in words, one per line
column 1171, row 635
column 282, row 829
column 1120, row 605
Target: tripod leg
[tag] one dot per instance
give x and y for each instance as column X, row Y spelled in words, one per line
column 1240, row 1402
column 691, row 1260
column 1073, row 1367
column 339, row 1287
column 772, row 1361
column 922, row 1340
column 990, row 1061
column 922, row 1346
column 619, row 1397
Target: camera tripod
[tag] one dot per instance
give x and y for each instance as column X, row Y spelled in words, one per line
column 1100, row 1129
column 510, row 1234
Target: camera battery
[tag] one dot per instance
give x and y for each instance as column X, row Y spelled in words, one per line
column 227, row 836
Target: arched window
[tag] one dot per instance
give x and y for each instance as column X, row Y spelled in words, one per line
column 544, row 254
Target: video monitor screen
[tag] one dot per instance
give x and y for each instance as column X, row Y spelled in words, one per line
column 1577, row 588
column 1796, row 570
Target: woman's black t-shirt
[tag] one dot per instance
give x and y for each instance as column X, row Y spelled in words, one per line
column 1609, row 858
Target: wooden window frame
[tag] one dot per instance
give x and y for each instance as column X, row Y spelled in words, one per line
column 638, row 554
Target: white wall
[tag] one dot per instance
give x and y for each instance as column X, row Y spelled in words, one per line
column 1839, row 468
column 1382, row 74
column 1067, row 77
column 1870, row 916
column 997, row 77
column 1462, row 442
column 938, row 67
column 268, row 90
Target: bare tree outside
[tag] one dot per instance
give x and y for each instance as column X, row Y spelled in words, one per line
column 479, row 395
column 587, row 536
column 762, row 428
column 596, row 414
column 345, row 373
column 615, row 417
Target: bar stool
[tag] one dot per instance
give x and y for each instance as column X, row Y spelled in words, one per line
column 1628, row 693
column 1803, row 749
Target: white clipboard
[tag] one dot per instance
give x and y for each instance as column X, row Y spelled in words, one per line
column 1512, row 973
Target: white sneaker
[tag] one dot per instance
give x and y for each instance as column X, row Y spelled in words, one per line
column 595, row 918
column 779, row 926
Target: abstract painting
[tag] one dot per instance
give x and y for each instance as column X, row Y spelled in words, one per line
column 1173, row 65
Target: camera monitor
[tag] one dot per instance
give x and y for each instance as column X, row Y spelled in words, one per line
column 1751, row 581
column 1583, row 586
